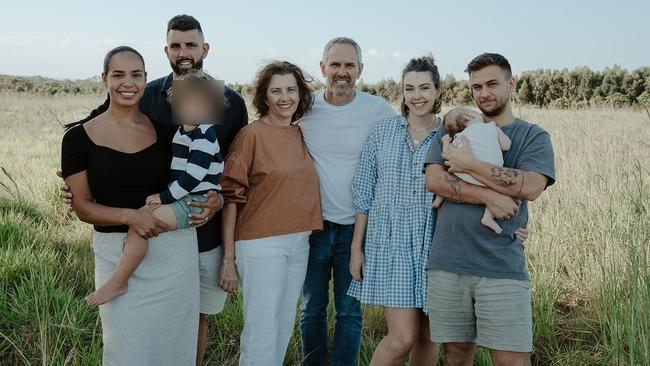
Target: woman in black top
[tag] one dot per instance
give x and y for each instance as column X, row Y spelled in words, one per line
column 112, row 161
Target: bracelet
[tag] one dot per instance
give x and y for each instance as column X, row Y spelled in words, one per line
column 523, row 180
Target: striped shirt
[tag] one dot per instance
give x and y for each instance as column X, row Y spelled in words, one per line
column 197, row 163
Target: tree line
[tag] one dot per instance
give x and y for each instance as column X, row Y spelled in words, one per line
column 46, row 86
column 578, row 88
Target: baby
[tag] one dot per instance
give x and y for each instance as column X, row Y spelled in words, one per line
column 195, row 169
column 487, row 141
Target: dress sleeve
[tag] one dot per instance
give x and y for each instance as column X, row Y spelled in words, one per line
column 75, row 148
column 237, row 168
column 365, row 178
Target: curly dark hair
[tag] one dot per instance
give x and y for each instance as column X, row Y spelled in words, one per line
column 303, row 80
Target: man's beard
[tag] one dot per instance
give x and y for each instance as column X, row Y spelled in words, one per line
column 342, row 90
column 196, row 65
column 497, row 110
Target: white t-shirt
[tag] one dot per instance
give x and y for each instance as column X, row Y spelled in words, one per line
column 334, row 136
column 484, row 141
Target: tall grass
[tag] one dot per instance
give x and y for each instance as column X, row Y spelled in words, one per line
column 589, row 251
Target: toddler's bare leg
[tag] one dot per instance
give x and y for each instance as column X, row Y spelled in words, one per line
column 488, row 220
column 134, row 251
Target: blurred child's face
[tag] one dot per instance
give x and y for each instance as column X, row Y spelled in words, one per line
column 195, row 102
column 192, row 108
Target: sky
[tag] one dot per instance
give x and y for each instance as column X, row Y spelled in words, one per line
column 67, row 39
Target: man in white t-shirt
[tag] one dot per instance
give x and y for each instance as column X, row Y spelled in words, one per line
column 334, row 131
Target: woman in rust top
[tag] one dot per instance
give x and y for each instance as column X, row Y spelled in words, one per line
column 272, row 199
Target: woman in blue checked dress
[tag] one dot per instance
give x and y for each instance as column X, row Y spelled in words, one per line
column 393, row 203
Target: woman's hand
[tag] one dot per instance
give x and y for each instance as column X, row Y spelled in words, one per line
column 522, row 233
column 229, row 279
column 357, row 265
column 210, row 208
column 145, row 224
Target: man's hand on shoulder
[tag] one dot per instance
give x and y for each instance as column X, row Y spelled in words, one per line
column 66, row 195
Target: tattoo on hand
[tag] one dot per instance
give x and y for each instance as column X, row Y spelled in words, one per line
column 504, row 177
column 454, row 183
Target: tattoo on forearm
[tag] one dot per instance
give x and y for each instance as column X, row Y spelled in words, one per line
column 504, row 177
column 454, row 183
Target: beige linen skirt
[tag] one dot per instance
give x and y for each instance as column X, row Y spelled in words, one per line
column 156, row 321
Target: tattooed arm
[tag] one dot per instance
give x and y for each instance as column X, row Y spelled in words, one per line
column 512, row 182
column 453, row 188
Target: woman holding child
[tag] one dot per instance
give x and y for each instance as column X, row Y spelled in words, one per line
column 112, row 161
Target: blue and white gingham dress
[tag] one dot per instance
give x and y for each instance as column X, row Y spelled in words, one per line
column 390, row 186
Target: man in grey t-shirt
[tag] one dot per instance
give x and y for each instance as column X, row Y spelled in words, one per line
column 478, row 288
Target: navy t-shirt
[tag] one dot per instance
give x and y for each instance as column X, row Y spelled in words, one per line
column 155, row 105
column 461, row 244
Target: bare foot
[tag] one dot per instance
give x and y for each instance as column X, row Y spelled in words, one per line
column 106, row 293
column 492, row 225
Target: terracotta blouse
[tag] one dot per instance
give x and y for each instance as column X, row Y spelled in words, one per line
column 271, row 176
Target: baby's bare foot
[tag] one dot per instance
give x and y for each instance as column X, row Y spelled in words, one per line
column 492, row 225
column 106, row 293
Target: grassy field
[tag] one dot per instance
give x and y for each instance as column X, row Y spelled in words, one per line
column 589, row 252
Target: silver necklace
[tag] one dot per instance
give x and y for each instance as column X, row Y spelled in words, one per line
column 416, row 140
column 420, row 130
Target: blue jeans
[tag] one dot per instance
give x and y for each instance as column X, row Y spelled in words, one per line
column 329, row 254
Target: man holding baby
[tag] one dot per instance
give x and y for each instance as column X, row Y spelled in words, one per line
column 478, row 285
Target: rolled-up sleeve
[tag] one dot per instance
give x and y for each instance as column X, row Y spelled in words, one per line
column 365, row 178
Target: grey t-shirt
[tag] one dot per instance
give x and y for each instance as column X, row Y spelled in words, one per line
column 461, row 244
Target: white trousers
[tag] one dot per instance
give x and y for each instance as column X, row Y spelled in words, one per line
column 272, row 271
